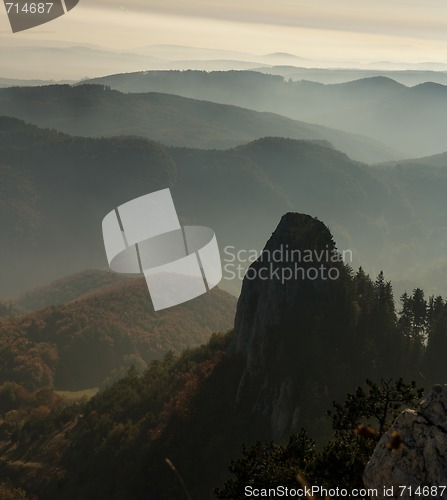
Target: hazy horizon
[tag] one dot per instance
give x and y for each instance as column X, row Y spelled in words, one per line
column 367, row 34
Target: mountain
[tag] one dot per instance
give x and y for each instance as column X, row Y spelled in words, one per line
column 106, row 325
column 408, row 119
column 56, row 189
column 424, row 180
column 44, row 61
column 98, row 111
column 283, row 58
column 298, row 343
column 439, row 160
column 367, row 215
column 68, row 289
column 302, row 295
column 339, row 75
column 13, row 82
column 209, row 65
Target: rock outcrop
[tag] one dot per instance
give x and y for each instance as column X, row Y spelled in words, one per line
column 413, row 453
column 292, row 297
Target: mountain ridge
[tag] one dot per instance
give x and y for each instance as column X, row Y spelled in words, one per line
column 56, row 189
column 171, row 119
column 373, row 107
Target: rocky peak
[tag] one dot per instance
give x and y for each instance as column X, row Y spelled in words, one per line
column 283, row 313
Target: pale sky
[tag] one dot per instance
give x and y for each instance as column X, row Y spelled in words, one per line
column 359, row 31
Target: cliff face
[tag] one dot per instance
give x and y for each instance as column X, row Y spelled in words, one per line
column 293, row 298
column 419, row 456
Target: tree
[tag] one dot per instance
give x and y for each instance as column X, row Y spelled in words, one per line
column 266, row 465
column 10, row 493
column 434, row 362
column 358, row 423
column 377, row 338
column 378, row 406
column 412, row 325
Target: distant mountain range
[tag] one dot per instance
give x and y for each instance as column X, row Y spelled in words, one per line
column 55, row 190
column 15, row 82
column 42, row 60
column 243, row 152
column 410, row 120
column 96, row 111
column 409, row 77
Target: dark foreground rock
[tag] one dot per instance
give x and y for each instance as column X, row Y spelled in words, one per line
column 413, row 453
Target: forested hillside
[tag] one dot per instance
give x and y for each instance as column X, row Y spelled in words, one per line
column 105, row 326
column 326, row 338
column 68, row 289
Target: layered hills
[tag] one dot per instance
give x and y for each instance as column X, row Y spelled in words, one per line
column 411, row 120
column 56, row 189
column 406, row 76
column 97, row 111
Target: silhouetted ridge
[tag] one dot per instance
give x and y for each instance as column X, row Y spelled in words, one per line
column 430, row 89
column 302, row 232
column 272, row 142
column 378, row 81
column 288, row 309
column 202, row 120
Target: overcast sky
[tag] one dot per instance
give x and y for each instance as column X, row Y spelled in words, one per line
column 344, row 30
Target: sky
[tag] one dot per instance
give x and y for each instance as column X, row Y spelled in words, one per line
column 342, row 33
